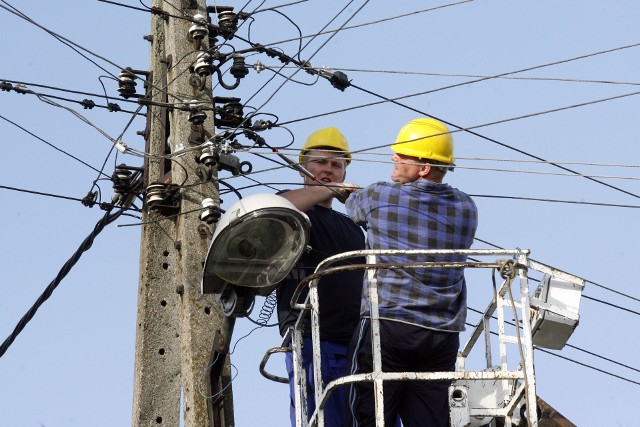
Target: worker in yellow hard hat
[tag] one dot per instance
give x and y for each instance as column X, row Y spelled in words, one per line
column 425, row 138
column 329, row 139
column 421, row 310
column 325, row 155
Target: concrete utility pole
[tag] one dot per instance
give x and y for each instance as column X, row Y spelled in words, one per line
column 176, row 324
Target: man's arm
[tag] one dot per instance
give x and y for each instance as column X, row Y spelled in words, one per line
column 307, row 197
column 357, row 206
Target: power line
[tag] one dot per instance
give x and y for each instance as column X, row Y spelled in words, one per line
column 482, row 159
column 531, row 172
column 78, row 115
column 571, row 202
column 589, row 366
column 298, row 70
column 602, row 357
column 612, row 290
column 571, row 346
column 107, row 219
column 74, row 45
column 322, row 32
column 493, row 245
column 84, row 201
column 60, row 38
column 125, row 5
column 279, row 6
column 49, row 144
column 612, row 305
column 40, row 193
column 77, row 92
column 424, row 73
column 469, row 130
column 86, row 103
column 616, row 165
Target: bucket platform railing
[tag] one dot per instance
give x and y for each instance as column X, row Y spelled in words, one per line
column 475, row 397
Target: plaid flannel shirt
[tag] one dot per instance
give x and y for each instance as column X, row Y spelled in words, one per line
column 417, row 215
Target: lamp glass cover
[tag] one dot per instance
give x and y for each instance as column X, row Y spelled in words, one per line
column 259, row 249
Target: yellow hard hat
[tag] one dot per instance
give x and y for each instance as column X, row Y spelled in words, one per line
column 426, row 139
column 329, row 138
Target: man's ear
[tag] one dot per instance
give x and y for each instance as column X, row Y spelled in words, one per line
column 424, row 171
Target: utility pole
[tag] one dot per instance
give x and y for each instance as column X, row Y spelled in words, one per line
column 176, row 323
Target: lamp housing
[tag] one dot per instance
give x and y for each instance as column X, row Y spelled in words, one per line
column 256, row 244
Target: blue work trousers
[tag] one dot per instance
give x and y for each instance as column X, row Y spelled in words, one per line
column 334, row 365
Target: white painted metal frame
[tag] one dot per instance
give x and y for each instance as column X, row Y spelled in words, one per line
column 523, row 377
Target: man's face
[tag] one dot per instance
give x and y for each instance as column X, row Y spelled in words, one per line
column 405, row 168
column 325, row 166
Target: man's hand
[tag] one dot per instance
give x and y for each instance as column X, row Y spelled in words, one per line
column 344, row 190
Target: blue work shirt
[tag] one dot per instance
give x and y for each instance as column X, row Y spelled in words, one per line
column 417, row 215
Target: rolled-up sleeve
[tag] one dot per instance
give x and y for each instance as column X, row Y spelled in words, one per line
column 355, row 207
column 358, row 205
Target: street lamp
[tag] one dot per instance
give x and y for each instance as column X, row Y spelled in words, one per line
column 256, row 244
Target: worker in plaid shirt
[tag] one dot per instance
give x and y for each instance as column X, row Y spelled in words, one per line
column 422, row 310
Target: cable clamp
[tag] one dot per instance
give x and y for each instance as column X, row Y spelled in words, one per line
column 121, row 146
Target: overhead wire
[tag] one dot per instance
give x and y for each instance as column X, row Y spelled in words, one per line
column 300, row 48
column 637, row 313
column 86, row 103
column 568, row 358
column 483, row 76
column 542, row 161
column 537, row 67
column 581, row 202
column 570, row 202
column 589, row 366
column 547, row 162
column 107, row 219
column 77, row 47
column 113, row 147
column 371, row 104
column 50, row 144
column 316, row 51
column 74, row 46
column 279, row 6
column 342, row 28
column 128, row 6
column 540, row 158
column 493, row 245
column 599, row 356
column 77, row 92
column 152, row 10
column 78, row 115
column 532, row 172
column 40, row 193
column 496, row 196
column 487, row 159
column 471, row 131
column 612, row 165
column 45, row 98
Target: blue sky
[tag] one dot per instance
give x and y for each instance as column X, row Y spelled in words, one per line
column 73, row 364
